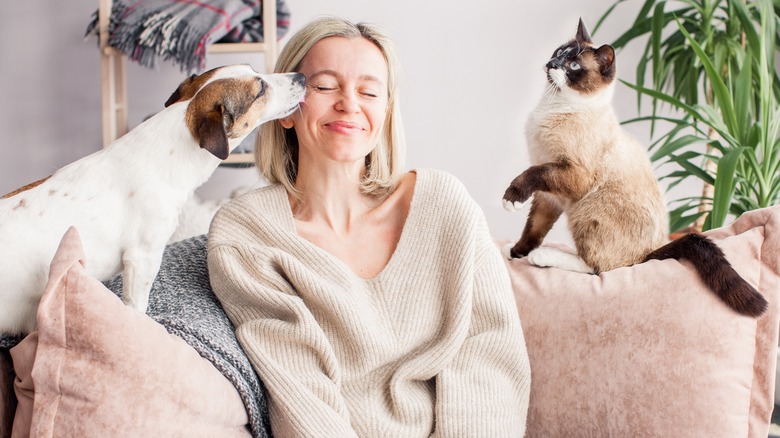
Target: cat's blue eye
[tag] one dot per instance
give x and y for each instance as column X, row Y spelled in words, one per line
column 559, row 53
column 574, row 66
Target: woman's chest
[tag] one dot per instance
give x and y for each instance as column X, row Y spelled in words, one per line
column 365, row 248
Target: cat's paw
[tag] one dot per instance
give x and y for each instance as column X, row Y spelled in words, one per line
column 506, row 251
column 543, row 257
column 514, row 200
column 513, row 206
column 546, row 257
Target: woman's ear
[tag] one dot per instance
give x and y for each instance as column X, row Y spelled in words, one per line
column 286, row 122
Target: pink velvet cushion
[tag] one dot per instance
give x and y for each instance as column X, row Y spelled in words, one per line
column 648, row 350
column 98, row 368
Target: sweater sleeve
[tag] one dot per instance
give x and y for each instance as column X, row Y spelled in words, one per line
column 287, row 347
column 485, row 390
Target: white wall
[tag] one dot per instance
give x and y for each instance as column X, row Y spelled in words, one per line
column 471, row 76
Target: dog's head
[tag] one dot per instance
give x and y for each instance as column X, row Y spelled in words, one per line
column 227, row 103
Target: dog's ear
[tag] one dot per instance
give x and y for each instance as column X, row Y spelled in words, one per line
column 174, row 98
column 215, row 109
column 180, row 91
column 211, row 132
column 190, row 87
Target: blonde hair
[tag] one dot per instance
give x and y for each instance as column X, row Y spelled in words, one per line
column 276, row 148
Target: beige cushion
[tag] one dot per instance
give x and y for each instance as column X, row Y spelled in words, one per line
column 98, row 368
column 648, row 350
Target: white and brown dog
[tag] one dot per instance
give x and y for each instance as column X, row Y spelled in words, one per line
column 125, row 199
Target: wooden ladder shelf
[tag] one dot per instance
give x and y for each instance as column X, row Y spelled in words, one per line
column 114, row 81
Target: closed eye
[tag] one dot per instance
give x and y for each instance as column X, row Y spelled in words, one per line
column 262, row 89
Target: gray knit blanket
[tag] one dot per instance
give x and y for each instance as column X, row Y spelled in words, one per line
column 183, row 302
column 180, row 30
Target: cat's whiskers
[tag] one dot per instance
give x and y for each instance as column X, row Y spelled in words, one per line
column 549, row 93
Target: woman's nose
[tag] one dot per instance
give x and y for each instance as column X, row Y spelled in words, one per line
column 347, row 102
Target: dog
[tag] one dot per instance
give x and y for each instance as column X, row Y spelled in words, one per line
column 125, row 199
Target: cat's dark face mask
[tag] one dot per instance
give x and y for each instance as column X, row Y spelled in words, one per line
column 579, row 60
column 560, row 56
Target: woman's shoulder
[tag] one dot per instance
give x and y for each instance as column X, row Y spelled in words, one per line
column 441, row 195
column 263, row 205
column 260, row 200
column 442, row 187
column 438, row 176
column 442, row 202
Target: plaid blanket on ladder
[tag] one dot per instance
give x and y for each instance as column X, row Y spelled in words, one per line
column 148, row 31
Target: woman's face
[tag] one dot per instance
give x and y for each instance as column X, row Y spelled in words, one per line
column 346, row 101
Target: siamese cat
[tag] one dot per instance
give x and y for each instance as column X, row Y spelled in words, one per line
column 587, row 166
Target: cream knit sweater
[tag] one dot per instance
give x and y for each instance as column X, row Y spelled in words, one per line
column 432, row 346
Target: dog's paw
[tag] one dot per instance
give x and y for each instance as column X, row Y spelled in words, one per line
column 546, row 257
column 140, row 305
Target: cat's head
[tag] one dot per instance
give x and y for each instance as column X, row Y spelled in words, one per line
column 580, row 66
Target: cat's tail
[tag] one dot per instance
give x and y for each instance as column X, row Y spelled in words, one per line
column 715, row 271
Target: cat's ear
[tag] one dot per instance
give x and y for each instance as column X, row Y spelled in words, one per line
column 582, row 33
column 606, row 58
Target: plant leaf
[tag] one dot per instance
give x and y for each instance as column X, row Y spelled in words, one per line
column 719, row 89
column 672, row 146
column 724, row 188
column 683, row 160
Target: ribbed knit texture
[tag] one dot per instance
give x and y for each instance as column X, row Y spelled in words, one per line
column 431, row 346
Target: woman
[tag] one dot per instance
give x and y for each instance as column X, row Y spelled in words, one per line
column 371, row 302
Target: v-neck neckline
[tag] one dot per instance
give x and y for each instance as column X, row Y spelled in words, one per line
column 412, row 217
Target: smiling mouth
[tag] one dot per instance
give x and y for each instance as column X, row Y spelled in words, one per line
column 344, row 125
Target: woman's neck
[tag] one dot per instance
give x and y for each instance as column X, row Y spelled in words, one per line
column 331, row 197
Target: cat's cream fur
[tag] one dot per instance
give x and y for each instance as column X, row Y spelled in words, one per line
column 587, row 166
column 602, row 177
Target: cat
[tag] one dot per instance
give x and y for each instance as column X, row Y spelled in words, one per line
column 587, row 166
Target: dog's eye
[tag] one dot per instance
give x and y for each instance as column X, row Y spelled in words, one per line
column 574, row 66
column 263, row 86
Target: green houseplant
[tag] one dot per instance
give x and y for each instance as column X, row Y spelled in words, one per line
column 712, row 79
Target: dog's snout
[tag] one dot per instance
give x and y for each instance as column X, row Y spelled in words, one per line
column 299, row 79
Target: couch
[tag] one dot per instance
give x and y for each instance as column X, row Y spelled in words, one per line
column 640, row 351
